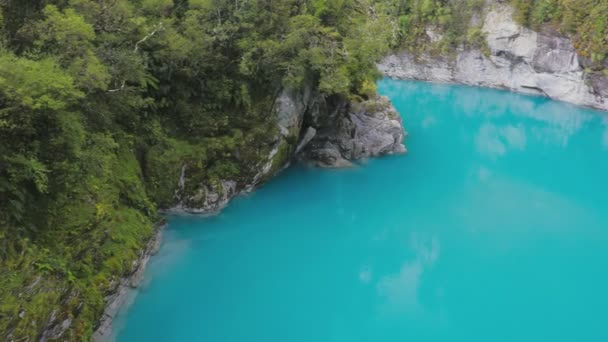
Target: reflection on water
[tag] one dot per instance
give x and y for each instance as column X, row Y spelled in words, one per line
column 560, row 121
column 495, row 141
column 492, row 228
column 401, row 290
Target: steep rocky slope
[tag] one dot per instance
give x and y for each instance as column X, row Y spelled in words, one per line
column 519, row 59
column 367, row 129
column 349, row 131
column 326, row 132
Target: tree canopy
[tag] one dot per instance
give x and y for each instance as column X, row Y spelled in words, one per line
column 101, row 101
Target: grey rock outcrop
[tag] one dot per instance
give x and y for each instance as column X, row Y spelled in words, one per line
column 322, row 131
column 54, row 329
column 366, row 129
column 520, row 59
column 210, row 198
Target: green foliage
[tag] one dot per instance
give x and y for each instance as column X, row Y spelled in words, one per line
column 585, row 20
column 35, row 85
column 2, row 30
column 476, row 38
column 318, row 53
column 448, row 19
column 69, row 37
column 102, row 102
column 39, row 134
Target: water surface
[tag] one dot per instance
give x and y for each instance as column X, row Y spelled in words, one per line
column 493, row 228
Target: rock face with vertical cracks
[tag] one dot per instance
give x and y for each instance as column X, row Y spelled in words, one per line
column 519, row 59
column 366, row 129
column 210, row 198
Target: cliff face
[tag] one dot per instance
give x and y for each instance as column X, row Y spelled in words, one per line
column 326, row 132
column 519, row 59
column 367, row 129
column 317, row 130
column 211, row 197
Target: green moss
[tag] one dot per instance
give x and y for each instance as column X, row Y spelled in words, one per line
column 282, row 156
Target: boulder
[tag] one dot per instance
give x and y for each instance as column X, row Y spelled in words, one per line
column 366, row 129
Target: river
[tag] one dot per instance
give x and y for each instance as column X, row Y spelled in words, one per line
column 494, row 227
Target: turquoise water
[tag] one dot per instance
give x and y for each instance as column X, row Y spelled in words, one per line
column 493, row 228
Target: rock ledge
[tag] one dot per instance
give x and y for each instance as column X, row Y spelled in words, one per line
column 367, row 129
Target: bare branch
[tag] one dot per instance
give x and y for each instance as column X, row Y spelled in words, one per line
column 157, row 29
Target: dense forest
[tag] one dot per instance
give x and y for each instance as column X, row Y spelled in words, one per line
column 101, row 101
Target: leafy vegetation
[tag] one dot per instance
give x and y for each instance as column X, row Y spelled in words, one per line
column 451, row 21
column 103, row 101
column 585, row 20
column 456, row 23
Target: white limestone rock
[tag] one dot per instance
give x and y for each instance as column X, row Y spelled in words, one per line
column 520, row 60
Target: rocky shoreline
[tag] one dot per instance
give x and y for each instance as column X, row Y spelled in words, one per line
column 123, row 291
column 517, row 59
column 367, row 129
column 312, row 130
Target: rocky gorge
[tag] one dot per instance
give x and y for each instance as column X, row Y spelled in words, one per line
column 333, row 132
column 350, row 131
column 517, row 59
